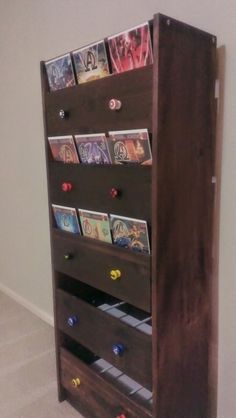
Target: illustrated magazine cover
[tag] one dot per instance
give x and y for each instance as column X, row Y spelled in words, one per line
column 60, row 72
column 131, row 49
column 130, row 233
column 95, row 225
column 63, row 149
column 66, row 219
column 91, row 62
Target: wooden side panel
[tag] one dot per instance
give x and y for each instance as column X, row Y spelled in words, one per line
column 44, row 86
column 183, row 197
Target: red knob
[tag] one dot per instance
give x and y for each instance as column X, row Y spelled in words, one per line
column 114, row 104
column 114, row 192
column 121, row 416
column 66, row 187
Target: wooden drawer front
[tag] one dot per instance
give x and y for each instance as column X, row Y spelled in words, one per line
column 92, row 185
column 99, row 332
column 92, row 261
column 87, row 105
column 94, row 397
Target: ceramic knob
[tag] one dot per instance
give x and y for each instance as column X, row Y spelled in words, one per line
column 114, row 193
column 72, row 320
column 66, row 187
column 68, row 256
column 75, row 382
column 115, row 274
column 62, row 114
column 118, row 349
column 114, row 104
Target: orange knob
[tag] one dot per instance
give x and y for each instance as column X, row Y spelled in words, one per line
column 66, row 187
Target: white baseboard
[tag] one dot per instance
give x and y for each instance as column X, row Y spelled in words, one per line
column 28, row 305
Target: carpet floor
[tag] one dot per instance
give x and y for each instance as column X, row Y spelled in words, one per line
column 28, row 387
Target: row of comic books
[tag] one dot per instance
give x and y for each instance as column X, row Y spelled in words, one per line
column 119, row 147
column 122, row 52
column 125, row 232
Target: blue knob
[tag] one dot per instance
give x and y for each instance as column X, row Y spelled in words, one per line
column 72, row 320
column 118, row 349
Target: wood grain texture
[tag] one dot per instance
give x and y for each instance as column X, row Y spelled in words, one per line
column 99, row 331
column 174, row 99
column 91, row 263
column 87, row 104
column 44, row 87
column 91, row 186
column 182, row 204
column 95, row 397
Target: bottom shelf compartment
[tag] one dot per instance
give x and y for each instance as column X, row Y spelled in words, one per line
column 98, row 389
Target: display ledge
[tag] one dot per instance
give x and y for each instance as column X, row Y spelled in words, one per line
column 109, row 392
column 123, row 190
column 120, row 272
column 139, row 73
column 86, row 106
column 141, row 259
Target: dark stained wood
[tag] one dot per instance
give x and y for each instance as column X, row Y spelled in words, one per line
column 96, row 398
column 87, row 104
column 182, row 204
column 174, row 99
column 92, row 261
column 58, row 340
column 91, row 186
column 99, row 331
column 213, row 354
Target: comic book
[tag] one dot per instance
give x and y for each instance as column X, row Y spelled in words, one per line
column 95, row 225
column 60, row 72
column 63, row 149
column 130, row 147
column 130, row 233
column 66, row 219
column 91, row 62
column 131, row 49
column 93, row 149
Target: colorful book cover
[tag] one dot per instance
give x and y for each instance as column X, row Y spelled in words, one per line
column 130, row 233
column 66, row 219
column 95, row 225
column 60, row 72
column 93, row 149
column 63, row 149
column 91, row 62
column 131, row 49
column 130, row 147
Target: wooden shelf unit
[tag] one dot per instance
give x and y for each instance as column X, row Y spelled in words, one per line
column 174, row 99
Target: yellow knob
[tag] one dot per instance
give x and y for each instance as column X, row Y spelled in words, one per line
column 75, row 382
column 115, row 274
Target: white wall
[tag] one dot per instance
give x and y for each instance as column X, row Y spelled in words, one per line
column 32, row 30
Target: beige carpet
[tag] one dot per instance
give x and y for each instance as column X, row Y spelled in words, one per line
column 28, row 386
